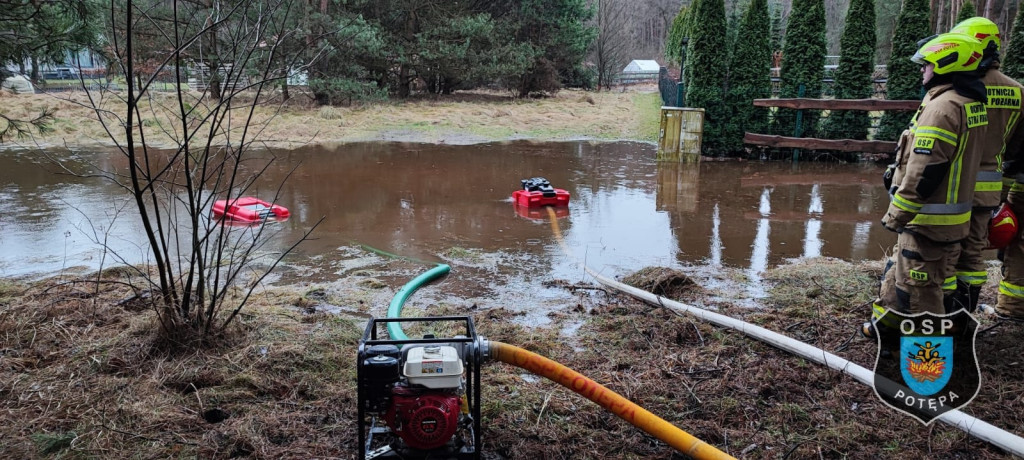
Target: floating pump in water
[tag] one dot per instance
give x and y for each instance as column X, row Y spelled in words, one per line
column 537, row 192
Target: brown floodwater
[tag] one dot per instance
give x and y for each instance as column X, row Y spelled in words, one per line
column 451, row 203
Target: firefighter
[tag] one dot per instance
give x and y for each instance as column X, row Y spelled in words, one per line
column 933, row 183
column 1003, row 109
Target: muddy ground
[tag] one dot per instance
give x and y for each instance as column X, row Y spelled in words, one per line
column 85, row 375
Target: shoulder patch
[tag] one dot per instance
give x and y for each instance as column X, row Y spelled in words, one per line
column 1003, row 97
column 976, row 114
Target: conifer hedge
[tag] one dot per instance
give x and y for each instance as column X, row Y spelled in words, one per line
column 853, row 77
column 803, row 63
column 904, row 81
column 706, row 70
column 748, row 75
column 1013, row 52
column 680, row 30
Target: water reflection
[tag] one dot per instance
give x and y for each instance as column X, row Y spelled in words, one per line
column 421, row 201
column 760, row 248
column 716, row 238
column 812, row 240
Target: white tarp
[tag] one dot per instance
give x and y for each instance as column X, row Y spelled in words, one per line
column 18, row 84
column 642, row 66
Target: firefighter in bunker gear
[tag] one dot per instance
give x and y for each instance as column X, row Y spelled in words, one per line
column 1003, row 109
column 933, row 183
column 1010, row 302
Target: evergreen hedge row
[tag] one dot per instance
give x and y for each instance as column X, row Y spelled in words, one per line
column 749, row 77
column 853, row 77
column 803, row 65
column 904, row 80
column 706, row 68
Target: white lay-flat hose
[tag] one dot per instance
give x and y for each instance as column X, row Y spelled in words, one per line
column 972, row 426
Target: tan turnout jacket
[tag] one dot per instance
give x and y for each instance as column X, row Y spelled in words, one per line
column 938, row 161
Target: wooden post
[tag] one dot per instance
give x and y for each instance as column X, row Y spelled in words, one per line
column 798, row 131
column 681, row 87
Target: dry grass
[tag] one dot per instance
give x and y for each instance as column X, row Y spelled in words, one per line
column 85, row 377
column 466, row 117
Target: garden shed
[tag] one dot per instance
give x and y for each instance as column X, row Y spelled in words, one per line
column 639, row 71
column 641, row 66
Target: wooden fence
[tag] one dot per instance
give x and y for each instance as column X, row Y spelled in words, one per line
column 842, row 145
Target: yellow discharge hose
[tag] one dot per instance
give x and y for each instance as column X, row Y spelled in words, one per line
column 608, row 399
column 553, row 218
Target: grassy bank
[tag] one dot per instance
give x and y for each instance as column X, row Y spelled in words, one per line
column 465, row 117
column 84, row 376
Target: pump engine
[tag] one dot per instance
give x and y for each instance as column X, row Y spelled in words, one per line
column 419, row 398
column 538, row 184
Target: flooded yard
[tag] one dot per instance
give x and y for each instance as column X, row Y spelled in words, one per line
column 451, row 204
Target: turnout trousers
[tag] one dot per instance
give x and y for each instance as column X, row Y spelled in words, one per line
column 920, row 277
column 972, row 268
column 1011, row 287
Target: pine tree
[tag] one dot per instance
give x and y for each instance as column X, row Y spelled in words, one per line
column 1013, row 57
column 904, row 76
column 853, row 77
column 803, row 64
column 776, row 25
column 680, row 30
column 967, row 11
column 690, row 29
column 707, row 65
column 748, row 75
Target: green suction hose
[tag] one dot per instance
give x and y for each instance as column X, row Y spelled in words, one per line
column 395, row 309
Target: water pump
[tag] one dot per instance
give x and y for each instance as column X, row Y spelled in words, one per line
column 420, row 398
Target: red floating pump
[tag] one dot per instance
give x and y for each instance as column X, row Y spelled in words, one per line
column 540, row 213
column 537, row 192
column 248, row 209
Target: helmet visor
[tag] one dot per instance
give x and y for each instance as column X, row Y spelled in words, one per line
column 918, row 58
column 921, row 42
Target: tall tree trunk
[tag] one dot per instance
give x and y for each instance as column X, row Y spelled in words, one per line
column 215, row 88
column 940, row 21
column 403, row 81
